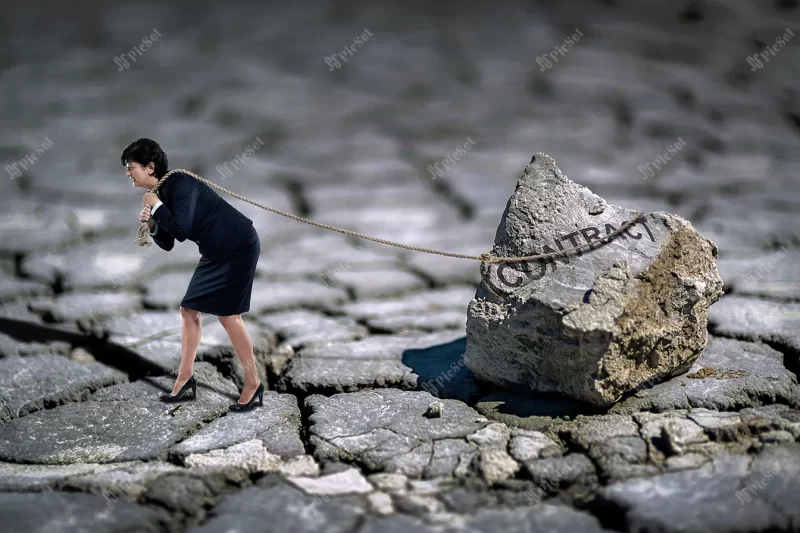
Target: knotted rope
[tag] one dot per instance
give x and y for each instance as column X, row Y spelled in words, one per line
column 143, row 238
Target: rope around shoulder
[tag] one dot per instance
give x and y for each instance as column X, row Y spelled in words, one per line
column 144, row 231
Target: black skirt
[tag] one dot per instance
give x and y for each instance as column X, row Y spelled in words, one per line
column 224, row 288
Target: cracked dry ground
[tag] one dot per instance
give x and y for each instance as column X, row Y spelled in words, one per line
column 351, row 336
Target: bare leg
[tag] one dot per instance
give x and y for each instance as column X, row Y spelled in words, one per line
column 191, row 330
column 240, row 338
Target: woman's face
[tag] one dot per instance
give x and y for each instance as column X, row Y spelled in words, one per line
column 140, row 176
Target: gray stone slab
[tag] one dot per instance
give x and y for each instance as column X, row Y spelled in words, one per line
column 398, row 223
column 623, row 458
column 722, row 427
column 671, row 434
column 238, row 462
column 318, row 255
column 137, row 327
column 269, row 296
column 165, row 291
column 612, row 443
column 32, row 477
column 34, row 382
column 420, row 322
column 770, row 275
column 669, row 502
column 772, row 418
column 586, row 432
column 276, row 424
column 397, row 523
column 386, row 431
column 377, row 281
column 85, row 307
column 450, row 298
column 775, row 479
column 29, row 227
column 124, row 422
column 12, row 287
column 280, row 508
column 165, row 353
column 450, row 458
column 757, row 319
column 346, row 482
column 526, row 445
column 19, row 310
column 379, row 361
column 77, row 513
column 11, row 347
column 111, row 263
column 728, row 375
column 469, row 237
column 102, row 218
column 534, row 519
column 302, row 327
column 445, row 271
column 740, row 228
column 338, row 198
column 559, row 473
column 122, row 482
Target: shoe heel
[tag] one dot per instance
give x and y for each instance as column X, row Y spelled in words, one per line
column 194, row 390
column 261, row 399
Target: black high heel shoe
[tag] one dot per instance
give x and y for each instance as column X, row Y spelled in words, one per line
column 169, row 398
column 238, row 407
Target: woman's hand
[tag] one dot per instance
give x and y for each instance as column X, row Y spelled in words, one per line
column 144, row 214
column 150, row 199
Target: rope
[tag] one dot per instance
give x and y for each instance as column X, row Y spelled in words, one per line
column 144, row 230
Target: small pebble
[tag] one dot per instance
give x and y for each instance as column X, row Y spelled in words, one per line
column 435, row 410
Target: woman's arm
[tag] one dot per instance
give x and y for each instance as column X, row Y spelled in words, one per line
column 178, row 222
column 163, row 239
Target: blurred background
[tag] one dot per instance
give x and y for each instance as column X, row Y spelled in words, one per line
column 355, row 145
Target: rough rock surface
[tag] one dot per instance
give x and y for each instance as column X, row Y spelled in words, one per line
column 386, row 430
column 735, row 493
column 276, row 425
column 76, row 512
column 596, row 323
column 33, row 382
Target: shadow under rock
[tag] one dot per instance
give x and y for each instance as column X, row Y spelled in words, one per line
column 443, row 373
column 533, row 411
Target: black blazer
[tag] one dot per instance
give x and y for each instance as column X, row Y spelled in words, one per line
column 192, row 210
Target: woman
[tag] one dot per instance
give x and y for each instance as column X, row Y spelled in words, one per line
column 185, row 208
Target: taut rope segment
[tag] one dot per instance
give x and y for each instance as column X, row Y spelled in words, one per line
column 144, row 231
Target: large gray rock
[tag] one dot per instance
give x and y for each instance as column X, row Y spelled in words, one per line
column 595, row 323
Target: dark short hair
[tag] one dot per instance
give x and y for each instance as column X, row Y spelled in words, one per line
column 144, row 152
